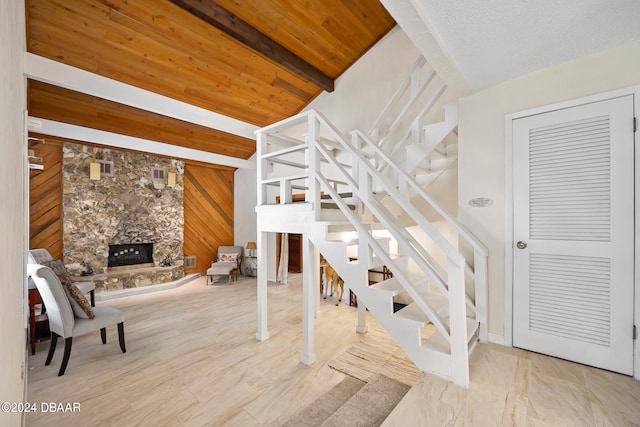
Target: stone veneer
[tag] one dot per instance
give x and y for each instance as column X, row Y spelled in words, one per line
column 128, row 207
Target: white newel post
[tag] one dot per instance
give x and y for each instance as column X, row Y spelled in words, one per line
column 261, row 168
column 480, row 276
column 458, row 324
column 365, row 259
column 362, row 327
column 355, row 167
column 313, row 161
column 261, row 280
column 309, row 285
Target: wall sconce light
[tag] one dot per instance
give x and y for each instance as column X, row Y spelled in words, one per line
column 251, row 246
column 94, row 171
column 171, row 179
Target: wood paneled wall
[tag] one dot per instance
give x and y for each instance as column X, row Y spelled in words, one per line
column 45, row 198
column 208, row 212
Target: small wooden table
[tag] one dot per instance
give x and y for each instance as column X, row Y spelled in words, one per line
column 38, row 325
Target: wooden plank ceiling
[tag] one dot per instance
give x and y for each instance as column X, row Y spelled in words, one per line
column 161, row 46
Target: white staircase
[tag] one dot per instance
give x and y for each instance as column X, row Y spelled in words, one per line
column 403, row 130
column 315, row 158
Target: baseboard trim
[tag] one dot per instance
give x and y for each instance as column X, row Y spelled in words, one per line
column 496, row 339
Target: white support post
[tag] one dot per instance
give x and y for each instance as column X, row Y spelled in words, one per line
column 362, row 327
column 261, row 279
column 480, row 276
column 355, row 167
column 309, row 285
column 261, row 169
column 458, row 324
column 364, row 184
column 314, row 165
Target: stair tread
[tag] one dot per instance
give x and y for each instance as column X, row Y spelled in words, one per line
column 413, row 312
column 377, row 262
column 390, row 285
column 437, row 302
column 355, row 241
column 342, row 195
column 440, row 344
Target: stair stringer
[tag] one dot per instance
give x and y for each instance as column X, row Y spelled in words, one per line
column 405, row 332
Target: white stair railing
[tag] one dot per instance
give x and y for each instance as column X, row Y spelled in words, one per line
column 330, row 162
column 401, row 122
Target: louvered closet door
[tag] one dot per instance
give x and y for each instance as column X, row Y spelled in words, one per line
column 574, row 234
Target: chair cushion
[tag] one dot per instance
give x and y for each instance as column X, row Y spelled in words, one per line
column 79, row 304
column 104, row 316
column 221, row 268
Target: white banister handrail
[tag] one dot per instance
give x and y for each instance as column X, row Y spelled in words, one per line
column 427, row 107
column 420, row 61
column 407, row 107
column 461, row 229
column 449, row 250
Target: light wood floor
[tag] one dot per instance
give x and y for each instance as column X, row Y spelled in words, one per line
column 192, row 360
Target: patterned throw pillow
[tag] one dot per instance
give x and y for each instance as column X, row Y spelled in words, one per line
column 228, row 257
column 79, row 304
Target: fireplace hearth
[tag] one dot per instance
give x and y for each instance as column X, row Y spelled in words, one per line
column 130, row 254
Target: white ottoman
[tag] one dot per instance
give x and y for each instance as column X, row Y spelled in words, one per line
column 221, row 269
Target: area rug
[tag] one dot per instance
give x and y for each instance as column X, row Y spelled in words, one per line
column 325, row 406
column 370, row 406
column 377, row 354
column 352, row 403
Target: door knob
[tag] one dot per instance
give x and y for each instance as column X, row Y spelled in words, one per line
column 521, row 245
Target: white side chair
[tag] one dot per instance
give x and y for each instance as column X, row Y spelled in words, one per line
column 62, row 322
column 40, row 256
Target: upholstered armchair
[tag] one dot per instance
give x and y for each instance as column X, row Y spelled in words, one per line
column 228, row 263
column 70, row 316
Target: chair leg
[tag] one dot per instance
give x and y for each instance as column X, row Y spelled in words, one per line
column 121, row 337
column 92, row 295
column 103, row 335
column 52, row 348
column 65, row 358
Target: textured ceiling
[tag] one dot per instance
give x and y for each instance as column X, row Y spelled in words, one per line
column 495, row 40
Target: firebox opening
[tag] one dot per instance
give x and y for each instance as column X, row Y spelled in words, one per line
column 130, row 254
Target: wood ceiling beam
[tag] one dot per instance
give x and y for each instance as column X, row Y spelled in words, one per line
column 214, row 14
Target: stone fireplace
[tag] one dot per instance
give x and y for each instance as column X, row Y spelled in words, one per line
column 127, row 228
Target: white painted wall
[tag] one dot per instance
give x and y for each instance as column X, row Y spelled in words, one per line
column 13, row 339
column 482, row 160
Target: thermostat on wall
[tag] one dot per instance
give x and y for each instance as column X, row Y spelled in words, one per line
column 481, row 202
